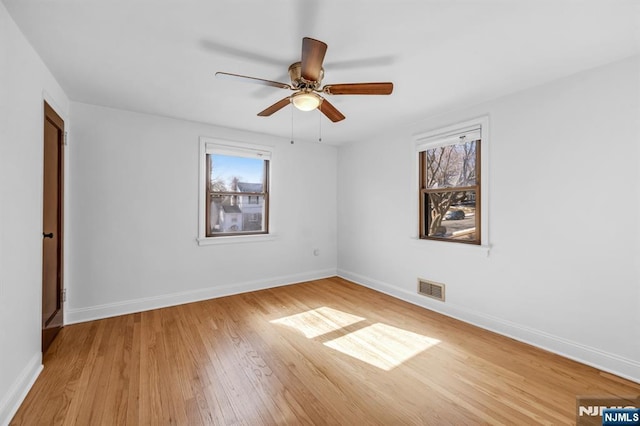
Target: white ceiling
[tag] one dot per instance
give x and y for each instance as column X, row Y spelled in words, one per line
column 160, row 56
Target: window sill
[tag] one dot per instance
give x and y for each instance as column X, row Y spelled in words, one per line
column 484, row 248
column 235, row 239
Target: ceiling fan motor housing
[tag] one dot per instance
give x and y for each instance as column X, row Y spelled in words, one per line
column 298, row 82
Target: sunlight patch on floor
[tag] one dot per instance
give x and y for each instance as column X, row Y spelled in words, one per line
column 382, row 345
column 317, row 322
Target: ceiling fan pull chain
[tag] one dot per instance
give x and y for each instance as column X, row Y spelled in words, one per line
column 319, row 127
column 291, row 125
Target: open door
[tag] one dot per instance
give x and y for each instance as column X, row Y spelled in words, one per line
column 52, row 232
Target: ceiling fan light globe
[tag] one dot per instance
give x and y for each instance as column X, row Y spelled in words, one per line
column 306, row 101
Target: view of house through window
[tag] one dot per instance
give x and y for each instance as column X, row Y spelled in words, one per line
column 450, row 190
column 237, row 194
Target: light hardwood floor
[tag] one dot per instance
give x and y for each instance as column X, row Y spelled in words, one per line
column 322, row 352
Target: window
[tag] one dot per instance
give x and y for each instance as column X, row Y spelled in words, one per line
column 235, row 190
column 450, row 195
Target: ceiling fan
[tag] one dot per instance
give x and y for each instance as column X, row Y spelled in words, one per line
column 306, row 78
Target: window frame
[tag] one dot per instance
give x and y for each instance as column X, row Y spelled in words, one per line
column 424, row 195
column 449, row 135
column 210, row 145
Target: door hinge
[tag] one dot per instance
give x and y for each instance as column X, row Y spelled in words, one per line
column 64, row 295
column 66, row 138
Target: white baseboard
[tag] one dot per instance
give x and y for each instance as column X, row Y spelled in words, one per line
column 107, row 310
column 605, row 361
column 18, row 391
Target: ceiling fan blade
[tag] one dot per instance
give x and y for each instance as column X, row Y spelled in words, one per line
column 359, row 89
column 275, row 107
column 312, row 56
column 244, row 78
column 330, row 111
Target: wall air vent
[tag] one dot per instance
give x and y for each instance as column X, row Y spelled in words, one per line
column 431, row 289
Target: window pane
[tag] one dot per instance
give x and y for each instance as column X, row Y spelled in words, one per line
column 451, row 166
column 245, row 210
column 451, row 215
column 229, row 171
column 233, row 213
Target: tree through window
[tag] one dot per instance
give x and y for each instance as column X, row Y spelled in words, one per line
column 450, row 190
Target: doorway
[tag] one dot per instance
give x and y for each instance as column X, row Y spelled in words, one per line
column 52, row 226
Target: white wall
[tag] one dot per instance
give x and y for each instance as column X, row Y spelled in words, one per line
column 562, row 272
column 24, row 83
column 134, row 215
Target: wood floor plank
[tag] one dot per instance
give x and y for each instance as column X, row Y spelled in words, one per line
column 324, row 352
column 132, row 359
